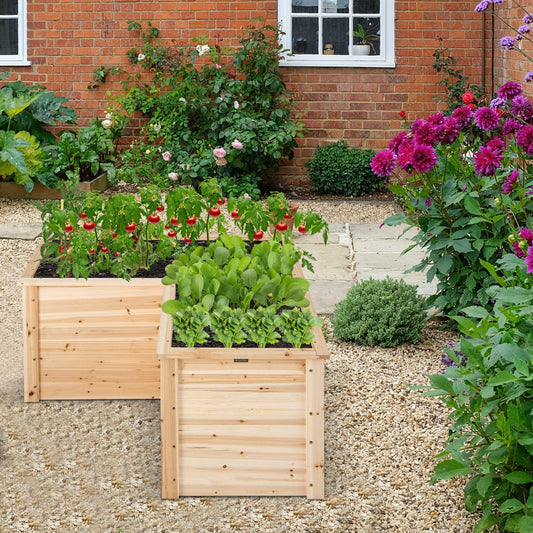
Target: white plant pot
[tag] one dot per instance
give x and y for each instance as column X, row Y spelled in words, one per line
column 361, row 49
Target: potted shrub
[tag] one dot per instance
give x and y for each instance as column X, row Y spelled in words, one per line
column 241, row 414
column 91, row 324
column 364, row 41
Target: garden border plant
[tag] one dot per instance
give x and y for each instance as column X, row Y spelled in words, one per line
column 211, row 110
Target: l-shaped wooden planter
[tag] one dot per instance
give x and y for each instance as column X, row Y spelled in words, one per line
column 90, row 339
column 241, row 421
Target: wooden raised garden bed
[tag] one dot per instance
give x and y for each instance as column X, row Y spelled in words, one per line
column 90, row 339
column 241, row 421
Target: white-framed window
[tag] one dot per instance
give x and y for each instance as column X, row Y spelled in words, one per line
column 337, row 33
column 13, row 47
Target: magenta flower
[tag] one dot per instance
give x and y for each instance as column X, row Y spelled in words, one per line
column 486, row 161
column 496, row 144
column 437, row 119
column 511, row 126
column 424, row 158
column 509, row 90
column 486, row 118
column 524, row 138
column 397, row 141
column 426, row 133
column 509, row 182
column 405, row 155
column 529, row 260
column 497, row 103
column 527, row 235
column 428, row 201
column 383, row 163
column 518, row 251
column 521, row 106
column 463, row 115
column 166, row 156
column 449, row 131
column 237, row 144
column 219, row 152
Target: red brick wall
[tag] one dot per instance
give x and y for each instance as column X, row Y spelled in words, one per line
column 68, row 39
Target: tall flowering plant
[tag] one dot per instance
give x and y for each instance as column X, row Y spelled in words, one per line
column 466, row 182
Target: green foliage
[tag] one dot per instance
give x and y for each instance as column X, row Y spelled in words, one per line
column 454, row 82
column 491, row 399
column 296, row 326
column 133, row 231
column 338, row 169
column 207, row 97
column 380, row 312
column 261, row 326
column 87, row 152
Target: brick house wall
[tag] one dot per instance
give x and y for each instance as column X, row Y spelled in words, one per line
column 68, row 39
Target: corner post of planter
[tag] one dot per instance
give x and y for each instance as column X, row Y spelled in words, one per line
column 169, row 428
column 314, row 370
column 32, row 389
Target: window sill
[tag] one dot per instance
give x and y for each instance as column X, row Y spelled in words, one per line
column 14, row 63
column 337, row 61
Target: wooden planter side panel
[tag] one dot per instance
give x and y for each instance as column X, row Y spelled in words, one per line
column 238, row 428
column 93, row 342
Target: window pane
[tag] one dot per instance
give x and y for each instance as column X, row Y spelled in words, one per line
column 8, row 7
column 9, row 37
column 366, row 6
column 304, row 35
column 335, row 6
column 335, row 32
column 305, row 6
column 367, row 31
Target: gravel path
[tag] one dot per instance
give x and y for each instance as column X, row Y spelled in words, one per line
column 94, row 466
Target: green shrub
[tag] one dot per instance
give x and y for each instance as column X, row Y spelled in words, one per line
column 338, row 169
column 380, row 313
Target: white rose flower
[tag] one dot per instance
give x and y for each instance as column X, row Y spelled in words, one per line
column 107, row 123
column 141, row 57
column 202, row 49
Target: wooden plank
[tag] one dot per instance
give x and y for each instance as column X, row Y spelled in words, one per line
column 106, row 390
column 170, row 487
column 32, row 390
column 315, row 429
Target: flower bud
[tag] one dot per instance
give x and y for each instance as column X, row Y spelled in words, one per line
column 511, row 238
column 497, row 201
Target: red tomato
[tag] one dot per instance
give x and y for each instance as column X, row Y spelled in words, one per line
column 258, row 236
column 160, row 208
column 187, row 239
column 130, row 228
column 171, row 233
column 281, row 227
column 286, row 216
column 115, row 235
column 105, row 249
column 82, row 215
column 191, row 221
column 214, row 212
column 302, row 229
column 235, row 214
column 91, row 251
column 68, row 228
column 174, row 221
column 89, row 225
column 117, row 254
column 153, row 219
column 221, row 201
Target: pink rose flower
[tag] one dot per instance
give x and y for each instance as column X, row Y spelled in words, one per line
column 219, row 152
column 167, row 156
column 237, row 144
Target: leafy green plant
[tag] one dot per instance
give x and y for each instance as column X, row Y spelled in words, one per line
column 84, row 154
column 228, row 326
column 190, row 325
column 338, row 169
column 296, row 325
column 261, row 326
column 217, row 112
column 380, row 312
column 490, row 397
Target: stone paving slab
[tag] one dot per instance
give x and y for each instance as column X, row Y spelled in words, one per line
column 19, row 230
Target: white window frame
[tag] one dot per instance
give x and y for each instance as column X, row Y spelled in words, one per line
column 20, row 59
column 386, row 58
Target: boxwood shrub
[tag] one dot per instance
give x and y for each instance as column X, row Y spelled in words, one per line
column 338, row 169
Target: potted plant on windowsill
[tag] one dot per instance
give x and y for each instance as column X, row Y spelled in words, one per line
column 241, row 414
column 91, row 325
column 364, row 41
